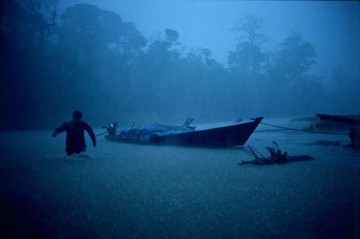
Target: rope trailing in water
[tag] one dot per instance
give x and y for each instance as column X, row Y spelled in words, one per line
column 101, row 134
column 301, row 130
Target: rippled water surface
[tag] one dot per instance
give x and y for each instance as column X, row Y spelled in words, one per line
column 136, row 191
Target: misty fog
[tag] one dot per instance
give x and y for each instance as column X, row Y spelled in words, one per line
column 161, row 62
column 236, row 59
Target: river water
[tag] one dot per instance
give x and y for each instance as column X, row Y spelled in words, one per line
column 137, row 191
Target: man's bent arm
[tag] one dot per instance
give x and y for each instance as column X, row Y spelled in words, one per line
column 60, row 129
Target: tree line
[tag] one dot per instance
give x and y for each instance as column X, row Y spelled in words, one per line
column 91, row 59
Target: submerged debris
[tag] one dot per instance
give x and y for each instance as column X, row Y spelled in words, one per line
column 276, row 157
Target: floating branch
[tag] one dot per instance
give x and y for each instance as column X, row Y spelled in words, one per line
column 276, row 157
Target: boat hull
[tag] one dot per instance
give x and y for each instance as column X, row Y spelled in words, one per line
column 228, row 136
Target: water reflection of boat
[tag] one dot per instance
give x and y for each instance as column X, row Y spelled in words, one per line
column 226, row 136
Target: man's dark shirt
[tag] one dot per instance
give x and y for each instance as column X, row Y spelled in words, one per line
column 75, row 133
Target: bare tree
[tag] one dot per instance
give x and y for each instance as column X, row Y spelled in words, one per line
column 44, row 8
column 46, row 11
column 250, row 28
column 248, row 57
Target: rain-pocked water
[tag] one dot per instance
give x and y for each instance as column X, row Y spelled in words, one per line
column 143, row 191
column 148, row 62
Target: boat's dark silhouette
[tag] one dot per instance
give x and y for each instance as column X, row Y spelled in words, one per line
column 227, row 136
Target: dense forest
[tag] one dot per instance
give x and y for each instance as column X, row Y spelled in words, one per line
column 92, row 60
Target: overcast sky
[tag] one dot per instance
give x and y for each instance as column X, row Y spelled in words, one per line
column 332, row 27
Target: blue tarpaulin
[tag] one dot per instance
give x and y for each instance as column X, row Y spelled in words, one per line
column 144, row 133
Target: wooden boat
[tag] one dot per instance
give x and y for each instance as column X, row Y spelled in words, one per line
column 348, row 119
column 353, row 121
column 226, row 136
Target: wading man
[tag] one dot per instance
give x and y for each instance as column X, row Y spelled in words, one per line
column 75, row 141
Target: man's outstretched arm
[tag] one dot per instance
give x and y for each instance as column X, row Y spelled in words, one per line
column 91, row 133
column 60, row 129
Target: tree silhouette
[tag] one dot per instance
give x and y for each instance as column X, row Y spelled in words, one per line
column 295, row 56
column 250, row 28
column 248, row 58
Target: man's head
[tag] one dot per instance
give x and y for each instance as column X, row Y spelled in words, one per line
column 77, row 115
